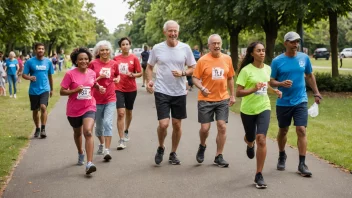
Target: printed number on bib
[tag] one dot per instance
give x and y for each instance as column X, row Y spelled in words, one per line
column 84, row 94
column 263, row 90
column 123, row 68
column 106, row 71
column 217, row 73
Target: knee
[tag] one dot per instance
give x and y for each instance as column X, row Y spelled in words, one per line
column 301, row 131
column 87, row 133
column 176, row 125
column 77, row 134
column 283, row 131
column 42, row 108
column 221, row 127
column 121, row 114
column 163, row 126
column 204, row 129
column 261, row 141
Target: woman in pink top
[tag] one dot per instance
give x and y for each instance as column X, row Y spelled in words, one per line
column 126, row 90
column 106, row 72
column 81, row 108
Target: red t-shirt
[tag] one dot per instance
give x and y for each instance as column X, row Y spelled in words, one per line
column 126, row 64
column 110, row 69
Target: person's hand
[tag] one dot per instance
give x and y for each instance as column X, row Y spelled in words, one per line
column 278, row 93
column 177, row 73
column 232, row 101
column 117, row 79
column 51, row 93
column 102, row 75
column 286, row 83
column 32, row 78
column 205, row 92
column 130, row 74
column 102, row 90
column 150, row 87
column 78, row 89
column 318, row 98
column 259, row 85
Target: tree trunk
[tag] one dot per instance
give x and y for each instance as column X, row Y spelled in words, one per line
column 234, row 32
column 299, row 30
column 270, row 28
column 200, row 44
column 333, row 42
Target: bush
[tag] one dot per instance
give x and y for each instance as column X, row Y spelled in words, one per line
column 325, row 82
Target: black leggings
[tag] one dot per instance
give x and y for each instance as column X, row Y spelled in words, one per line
column 255, row 124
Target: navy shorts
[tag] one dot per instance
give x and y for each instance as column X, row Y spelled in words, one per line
column 125, row 99
column 77, row 122
column 165, row 103
column 255, row 124
column 299, row 113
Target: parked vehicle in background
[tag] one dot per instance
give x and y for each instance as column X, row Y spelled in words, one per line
column 347, row 52
column 321, row 53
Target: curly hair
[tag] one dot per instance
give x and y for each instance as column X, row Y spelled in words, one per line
column 249, row 58
column 124, row 38
column 77, row 51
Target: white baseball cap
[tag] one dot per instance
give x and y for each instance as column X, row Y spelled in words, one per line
column 291, row 36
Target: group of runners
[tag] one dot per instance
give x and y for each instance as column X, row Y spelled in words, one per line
column 99, row 85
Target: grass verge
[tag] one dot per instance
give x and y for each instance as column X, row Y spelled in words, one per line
column 16, row 124
column 329, row 133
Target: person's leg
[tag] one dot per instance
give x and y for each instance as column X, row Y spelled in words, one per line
column 261, row 152
column 176, row 133
column 144, row 78
column 108, row 119
column 301, row 140
column 130, row 97
column 10, row 84
column 88, row 124
column 221, row 137
column 35, row 115
column 14, row 80
column 162, row 131
column 77, row 135
column 35, row 106
column 121, row 121
column 204, row 133
column 128, row 119
column 43, row 114
column 99, row 127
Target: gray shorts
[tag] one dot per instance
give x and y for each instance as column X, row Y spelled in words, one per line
column 207, row 109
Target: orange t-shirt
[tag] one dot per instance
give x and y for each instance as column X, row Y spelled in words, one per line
column 214, row 72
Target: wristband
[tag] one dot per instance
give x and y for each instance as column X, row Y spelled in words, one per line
column 202, row 89
column 183, row 73
column 315, row 95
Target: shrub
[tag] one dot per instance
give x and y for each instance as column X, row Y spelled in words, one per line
column 325, row 82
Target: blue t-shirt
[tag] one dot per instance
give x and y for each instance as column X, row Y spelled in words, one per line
column 291, row 68
column 196, row 54
column 11, row 66
column 41, row 69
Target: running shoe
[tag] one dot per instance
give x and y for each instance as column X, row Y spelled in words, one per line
column 43, row 133
column 80, row 159
column 173, row 159
column 122, row 145
column 281, row 164
column 90, row 168
column 259, row 181
column 10, row 95
column 159, row 155
column 100, row 149
column 127, row 137
column 219, row 161
column 303, row 170
column 37, row 132
column 107, row 156
column 200, row 153
column 250, row 152
column 14, row 96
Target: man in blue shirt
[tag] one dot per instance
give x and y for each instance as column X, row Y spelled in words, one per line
column 39, row 71
column 145, row 57
column 288, row 73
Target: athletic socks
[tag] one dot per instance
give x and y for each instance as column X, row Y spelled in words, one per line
column 43, row 127
column 282, row 153
column 302, row 159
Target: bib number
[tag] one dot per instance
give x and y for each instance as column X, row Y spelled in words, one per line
column 263, row 90
column 123, row 68
column 106, row 71
column 84, row 94
column 217, row 73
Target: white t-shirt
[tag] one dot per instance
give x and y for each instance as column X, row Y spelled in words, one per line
column 169, row 59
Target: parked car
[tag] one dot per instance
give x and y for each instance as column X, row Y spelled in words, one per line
column 347, row 52
column 321, row 53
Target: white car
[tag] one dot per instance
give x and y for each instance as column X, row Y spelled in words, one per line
column 347, row 52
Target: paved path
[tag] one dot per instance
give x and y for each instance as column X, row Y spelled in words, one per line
column 48, row 167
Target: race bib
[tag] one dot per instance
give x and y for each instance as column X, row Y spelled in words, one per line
column 217, row 73
column 123, row 68
column 263, row 90
column 84, row 94
column 106, row 71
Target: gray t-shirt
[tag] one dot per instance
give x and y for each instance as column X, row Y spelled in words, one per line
column 169, row 59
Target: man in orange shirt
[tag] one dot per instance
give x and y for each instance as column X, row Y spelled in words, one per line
column 213, row 75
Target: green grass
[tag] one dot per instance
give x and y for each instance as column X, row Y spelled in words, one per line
column 346, row 62
column 329, row 134
column 17, row 125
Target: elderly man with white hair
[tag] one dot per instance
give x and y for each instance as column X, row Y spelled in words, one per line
column 213, row 76
column 170, row 86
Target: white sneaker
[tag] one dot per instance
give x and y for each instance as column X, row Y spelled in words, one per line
column 107, row 156
column 80, row 159
column 90, row 167
column 122, row 145
column 127, row 137
column 100, row 149
column 10, row 96
column 14, row 95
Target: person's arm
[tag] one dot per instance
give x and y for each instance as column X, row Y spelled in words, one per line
column 51, row 84
column 285, row 83
column 198, row 83
column 230, row 84
column 241, row 92
column 313, row 84
column 274, row 91
column 149, row 76
column 17, row 69
column 67, row 92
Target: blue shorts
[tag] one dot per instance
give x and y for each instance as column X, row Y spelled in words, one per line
column 299, row 113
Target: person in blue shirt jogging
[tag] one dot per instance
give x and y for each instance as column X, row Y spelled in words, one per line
column 39, row 71
column 11, row 68
column 289, row 72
